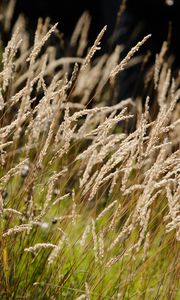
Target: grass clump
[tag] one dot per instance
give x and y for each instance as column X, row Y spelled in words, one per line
column 89, row 202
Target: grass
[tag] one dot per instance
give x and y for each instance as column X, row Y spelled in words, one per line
column 89, row 198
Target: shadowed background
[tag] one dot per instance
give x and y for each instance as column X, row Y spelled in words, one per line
column 159, row 17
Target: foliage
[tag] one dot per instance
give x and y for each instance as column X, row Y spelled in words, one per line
column 89, row 198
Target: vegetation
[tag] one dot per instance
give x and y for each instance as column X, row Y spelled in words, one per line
column 90, row 190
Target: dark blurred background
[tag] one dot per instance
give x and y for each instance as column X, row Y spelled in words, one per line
column 159, row 17
column 67, row 13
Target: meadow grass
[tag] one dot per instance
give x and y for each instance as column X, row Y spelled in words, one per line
column 90, row 192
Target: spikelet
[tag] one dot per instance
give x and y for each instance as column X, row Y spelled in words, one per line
column 84, row 36
column 85, row 234
column 56, row 250
column 12, row 172
column 39, row 246
column 101, row 246
column 130, row 54
column 78, row 31
column 39, row 44
column 158, row 63
column 8, row 57
column 13, row 211
column 95, row 240
column 107, row 209
column 93, row 49
column 17, row 229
